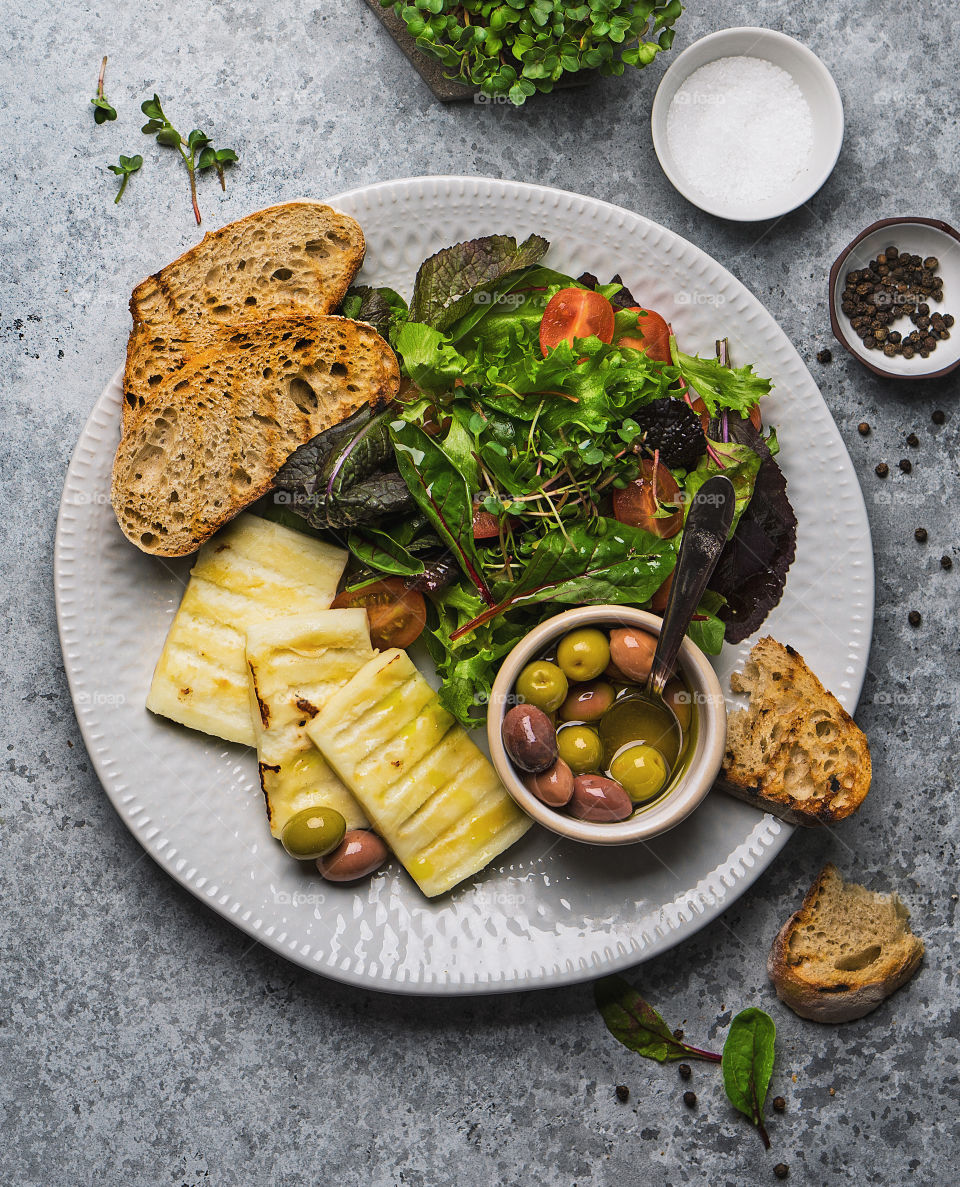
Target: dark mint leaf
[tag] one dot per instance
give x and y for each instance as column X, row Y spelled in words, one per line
column 752, row 571
column 382, row 496
column 638, row 1026
column 450, row 281
column 748, row 1056
column 382, row 308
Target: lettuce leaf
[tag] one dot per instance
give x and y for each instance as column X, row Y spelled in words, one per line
column 449, row 282
column 719, row 386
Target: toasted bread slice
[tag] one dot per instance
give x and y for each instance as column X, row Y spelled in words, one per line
column 219, row 429
column 296, row 258
column 795, row 751
column 844, row 951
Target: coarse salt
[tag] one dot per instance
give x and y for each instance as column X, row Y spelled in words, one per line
column 740, row 130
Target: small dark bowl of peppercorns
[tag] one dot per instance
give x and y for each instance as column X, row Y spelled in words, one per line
column 891, row 290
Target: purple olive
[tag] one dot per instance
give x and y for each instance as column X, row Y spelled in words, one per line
column 358, row 854
column 553, row 787
column 598, row 799
column 529, row 738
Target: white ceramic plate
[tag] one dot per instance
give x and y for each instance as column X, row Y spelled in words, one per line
column 552, row 912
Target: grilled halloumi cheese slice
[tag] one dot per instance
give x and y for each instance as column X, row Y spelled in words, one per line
column 252, row 571
column 427, row 789
column 296, row 664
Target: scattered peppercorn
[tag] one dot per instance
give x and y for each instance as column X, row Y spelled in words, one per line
column 913, row 440
column 678, row 1034
column 779, row 1104
column 946, row 563
column 892, row 286
column 920, row 535
column 825, row 355
column 863, row 429
column 938, row 417
column 881, row 469
column 905, row 465
column 781, row 1170
column 914, row 618
column 689, row 1098
column 684, row 1070
column 623, row 1093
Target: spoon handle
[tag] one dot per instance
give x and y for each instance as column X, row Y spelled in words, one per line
column 704, row 535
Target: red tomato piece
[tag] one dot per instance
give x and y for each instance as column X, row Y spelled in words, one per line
column 575, row 313
column 654, row 335
column 397, row 615
column 486, row 526
column 655, row 490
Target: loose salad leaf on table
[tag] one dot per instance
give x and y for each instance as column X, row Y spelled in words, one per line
column 548, row 438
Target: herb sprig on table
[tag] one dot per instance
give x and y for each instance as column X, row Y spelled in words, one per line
column 515, row 48
column 102, row 110
column 748, row 1053
column 125, row 169
column 196, row 150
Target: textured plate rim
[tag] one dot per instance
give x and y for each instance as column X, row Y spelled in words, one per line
column 691, row 910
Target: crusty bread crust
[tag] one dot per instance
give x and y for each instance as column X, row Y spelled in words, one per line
column 795, row 751
column 844, row 952
column 294, row 258
column 217, row 430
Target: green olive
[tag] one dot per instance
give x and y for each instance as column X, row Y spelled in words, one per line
column 541, row 683
column 640, row 770
column 584, row 654
column 312, row 833
column 580, row 748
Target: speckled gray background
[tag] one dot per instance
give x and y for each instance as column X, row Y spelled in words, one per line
column 144, row 1040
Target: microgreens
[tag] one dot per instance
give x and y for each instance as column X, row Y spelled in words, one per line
column 127, row 167
column 196, row 150
column 102, row 111
column 514, row 48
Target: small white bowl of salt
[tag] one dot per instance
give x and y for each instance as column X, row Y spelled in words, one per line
column 747, row 124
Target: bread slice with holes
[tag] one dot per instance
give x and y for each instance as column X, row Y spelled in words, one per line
column 218, row 430
column 294, row 259
column 844, row 952
column 795, row 751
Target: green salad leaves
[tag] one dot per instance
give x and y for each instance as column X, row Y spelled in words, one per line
column 501, row 464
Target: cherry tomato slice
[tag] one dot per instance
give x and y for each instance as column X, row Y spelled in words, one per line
column 658, row 603
column 575, row 313
column 654, row 335
column 396, row 614
column 755, row 418
column 638, row 503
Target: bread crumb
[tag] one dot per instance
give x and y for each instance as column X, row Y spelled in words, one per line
column 833, row 1092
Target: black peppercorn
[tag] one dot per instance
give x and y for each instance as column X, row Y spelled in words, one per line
column 913, row 439
column 781, row 1170
column 906, row 465
column 920, row 535
column 684, row 1070
column 863, row 429
column 881, row 469
column 623, row 1093
column 946, row 563
column 779, row 1104
column 689, row 1098
column 914, row 618
column 825, row 355
column 931, row 263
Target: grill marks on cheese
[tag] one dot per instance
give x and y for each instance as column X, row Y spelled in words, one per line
column 296, row 663
column 251, row 572
column 427, row 789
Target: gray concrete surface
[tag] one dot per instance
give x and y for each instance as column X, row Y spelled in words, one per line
column 143, row 1040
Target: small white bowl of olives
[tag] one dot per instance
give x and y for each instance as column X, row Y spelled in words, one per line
column 576, row 746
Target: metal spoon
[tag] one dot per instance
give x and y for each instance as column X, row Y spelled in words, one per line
column 704, row 535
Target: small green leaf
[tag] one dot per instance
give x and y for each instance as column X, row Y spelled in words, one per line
column 638, row 1026
column 169, row 137
column 197, row 139
column 152, row 108
column 151, row 126
column 102, row 110
column 226, row 156
column 748, row 1056
column 207, row 158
